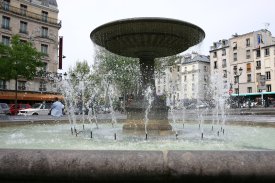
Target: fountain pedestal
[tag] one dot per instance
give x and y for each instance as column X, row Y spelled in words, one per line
column 157, row 117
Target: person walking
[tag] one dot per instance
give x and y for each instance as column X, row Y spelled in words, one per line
column 57, row 108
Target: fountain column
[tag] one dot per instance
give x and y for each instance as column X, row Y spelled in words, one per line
column 158, row 115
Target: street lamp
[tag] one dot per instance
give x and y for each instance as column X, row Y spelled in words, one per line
column 237, row 76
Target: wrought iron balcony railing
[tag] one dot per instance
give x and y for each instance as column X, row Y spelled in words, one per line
column 24, row 13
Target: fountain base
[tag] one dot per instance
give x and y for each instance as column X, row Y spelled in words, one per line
column 161, row 127
column 157, row 117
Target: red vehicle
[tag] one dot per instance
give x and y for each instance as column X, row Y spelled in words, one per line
column 14, row 111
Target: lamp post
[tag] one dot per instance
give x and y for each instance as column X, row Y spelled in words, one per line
column 237, row 76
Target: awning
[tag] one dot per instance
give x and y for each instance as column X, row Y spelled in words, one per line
column 10, row 95
column 253, row 94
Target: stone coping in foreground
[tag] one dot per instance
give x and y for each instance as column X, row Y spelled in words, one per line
column 136, row 166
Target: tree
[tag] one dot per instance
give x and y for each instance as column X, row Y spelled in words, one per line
column 19, row 60
column 121, row 71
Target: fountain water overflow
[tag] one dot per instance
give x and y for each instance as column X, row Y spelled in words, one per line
column 147, row 39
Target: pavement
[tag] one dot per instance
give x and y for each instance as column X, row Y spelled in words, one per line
column 259, row 116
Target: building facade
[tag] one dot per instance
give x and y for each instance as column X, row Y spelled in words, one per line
column 185, row 81
column 246, row 63
column 35, row 21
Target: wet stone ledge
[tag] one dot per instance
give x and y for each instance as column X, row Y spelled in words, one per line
column 136, row 166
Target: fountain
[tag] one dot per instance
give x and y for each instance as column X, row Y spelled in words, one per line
column 147, row 39
column 39, row 151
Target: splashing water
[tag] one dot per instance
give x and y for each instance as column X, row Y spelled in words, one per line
column 148, row 99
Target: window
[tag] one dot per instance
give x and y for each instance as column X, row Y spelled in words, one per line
column 236, row 79
column 23, row 27
column 6, row 5
column 258, row 53
column 42, row 86
column 21, row 85
column 178, row 69
column 44, row 48
column 6, row 22
column 223, row 52
column 247, row 54
column 225, row 73
column 6, row 40
column 268, row 88
column 214, row 54
column 44, row 16
column 23, row 9
column 205, row 68
column 248, row 67
column 215, row 65
column 248, row 77
column 258, row 64
column 205, row 78
column 247, row 42
column 235, row 47
column 44, row 32
column 235, row 56
column 267, row 75
column 3, row 85
column 249, row 89
column 224, row 63
column 266, row 52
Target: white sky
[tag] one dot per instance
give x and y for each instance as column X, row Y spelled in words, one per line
column 220, row 19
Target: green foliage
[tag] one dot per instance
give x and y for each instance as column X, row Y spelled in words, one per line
column 81, row 70
column 19, row 59
column 122, row 71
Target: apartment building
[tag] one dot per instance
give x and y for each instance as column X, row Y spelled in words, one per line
column 245, row 63
column 35, row 21
column 186, row 80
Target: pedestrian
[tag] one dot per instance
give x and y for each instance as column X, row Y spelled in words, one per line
column 57, row 108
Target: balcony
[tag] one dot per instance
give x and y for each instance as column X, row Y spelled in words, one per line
column 28, row 14
column 7, row 27
column 23, row 32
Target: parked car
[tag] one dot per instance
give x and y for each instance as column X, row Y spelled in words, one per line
column 36, row 109
column 4, row 109
column 14, row 111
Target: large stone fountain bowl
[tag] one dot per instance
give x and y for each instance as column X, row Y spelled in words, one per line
column 147, row 37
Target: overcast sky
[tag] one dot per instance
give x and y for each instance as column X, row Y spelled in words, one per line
column 220, row 19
